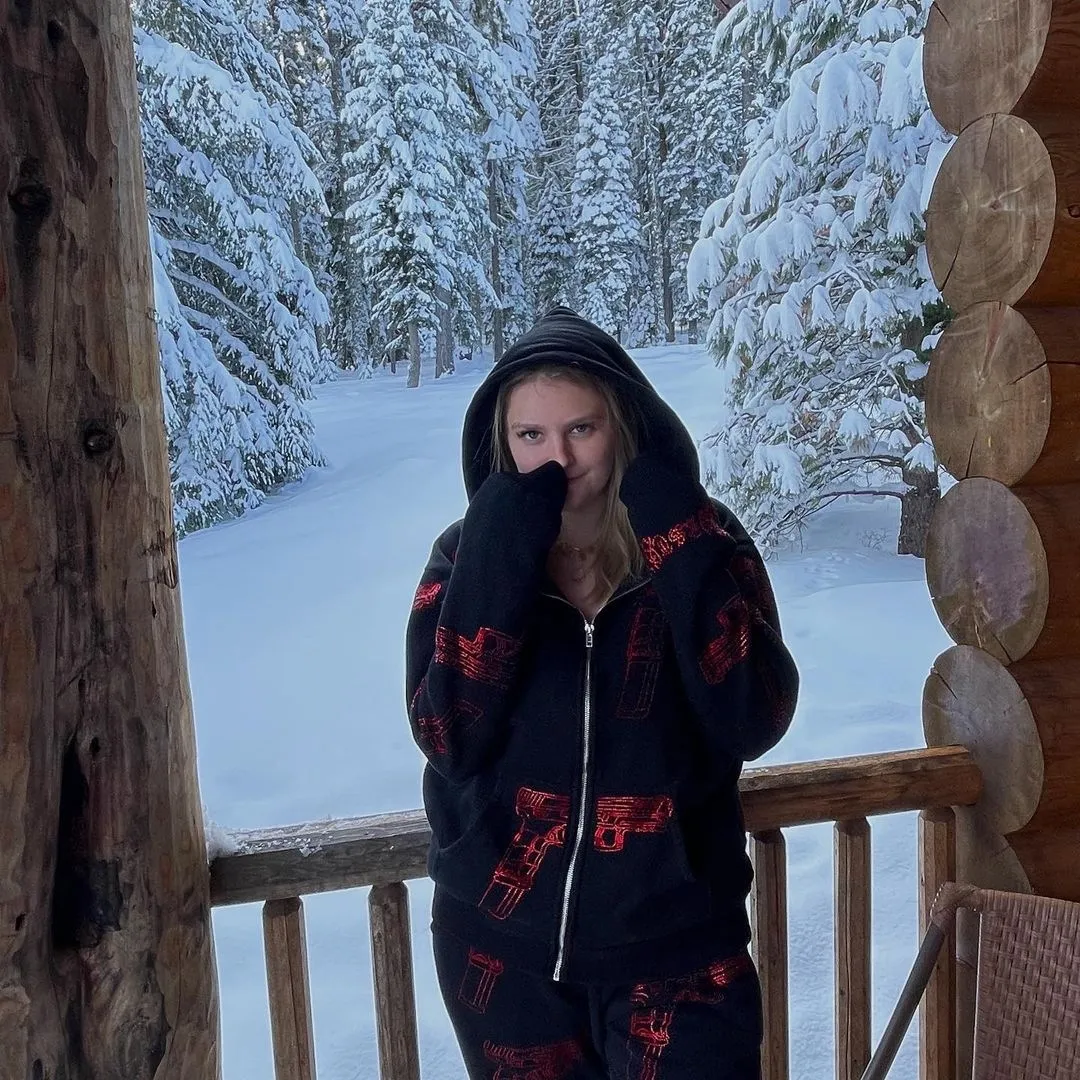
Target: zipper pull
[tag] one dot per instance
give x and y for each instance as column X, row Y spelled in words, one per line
column 588, row 635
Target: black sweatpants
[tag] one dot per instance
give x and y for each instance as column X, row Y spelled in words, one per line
column 512, row 1025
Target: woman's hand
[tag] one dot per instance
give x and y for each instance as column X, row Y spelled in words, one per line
column 548, row 482
column 526, row 505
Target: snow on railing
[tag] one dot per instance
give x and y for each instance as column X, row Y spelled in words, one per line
column 280, row 865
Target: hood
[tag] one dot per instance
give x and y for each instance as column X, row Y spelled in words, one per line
column 563, row 338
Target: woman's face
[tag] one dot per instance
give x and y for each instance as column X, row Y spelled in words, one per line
column 552, row 419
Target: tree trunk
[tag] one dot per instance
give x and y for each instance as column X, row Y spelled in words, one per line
column 663, row 218
column 478, row 319
column 297, row 230
column 414, row 354
column 302, row 253
column 444, row 333
column 106, row 957
column 666, row 272
column 346, row 323
column 917, row 505
column 498, row 319
column 692, row 331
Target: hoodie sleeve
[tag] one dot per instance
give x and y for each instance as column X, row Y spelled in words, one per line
column 470, row 615
column 738, row 674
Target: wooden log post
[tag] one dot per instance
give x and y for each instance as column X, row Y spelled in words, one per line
column 851, row 843
column 769, row 937
column 106, row 958
column 1003, row 409
column 289, row 989
column 392, row 971
column 991, row 217
column 1003, row 558
column 938, row 1051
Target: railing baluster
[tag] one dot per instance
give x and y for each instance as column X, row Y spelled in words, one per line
column 395, row 998
column 937, row 1014
column 289, row 988
column 852, row 865
column 768, row 912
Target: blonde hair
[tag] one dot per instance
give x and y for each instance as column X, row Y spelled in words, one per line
column 619, row 552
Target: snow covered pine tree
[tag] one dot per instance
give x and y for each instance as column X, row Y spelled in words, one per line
column 607, row 230
column 237, row 308
column 824, row 310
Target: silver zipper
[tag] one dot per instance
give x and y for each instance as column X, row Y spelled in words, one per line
column 579, row 836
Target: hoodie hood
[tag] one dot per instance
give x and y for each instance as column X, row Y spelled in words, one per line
column 562, row 338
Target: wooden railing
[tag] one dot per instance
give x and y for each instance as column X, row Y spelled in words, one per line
column 279, row 866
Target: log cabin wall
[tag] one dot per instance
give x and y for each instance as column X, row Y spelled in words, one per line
column 1003, row 410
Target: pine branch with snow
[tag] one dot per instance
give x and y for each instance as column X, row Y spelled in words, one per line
column 821, row 296
column 238, row 309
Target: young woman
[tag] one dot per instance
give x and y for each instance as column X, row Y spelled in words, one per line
column 592, row 654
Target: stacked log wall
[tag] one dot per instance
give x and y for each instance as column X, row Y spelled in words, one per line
column 1003, row 409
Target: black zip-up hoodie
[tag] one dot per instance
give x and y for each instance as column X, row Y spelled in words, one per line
column 582, row 778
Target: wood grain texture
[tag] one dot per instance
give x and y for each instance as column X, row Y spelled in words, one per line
column 852, row 894
column 1023, row 728
column 986, row 569
column 301, row 859
column 769, row 940
column 1052, row 689
column 395, row 998
column 106, row 965
column 862, row 786
column 979, row 56
column 938, row 1010
column 991, row 218
column 988, row 396
column 1003, row 560
column 289, row 989
column 1003, row 568
column 970, row 699
column 298, row 860
column 1003, row 395
column 1048, row 858
column 1000, row 56
column 1058, row 331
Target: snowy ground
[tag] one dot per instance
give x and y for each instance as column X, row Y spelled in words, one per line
column 295, row 618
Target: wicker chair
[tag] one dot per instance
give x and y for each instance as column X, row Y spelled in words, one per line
column 1027, row 1013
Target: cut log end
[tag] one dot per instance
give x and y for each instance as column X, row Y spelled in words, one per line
column 991, row 214
column 986, row 569
column 979, row 56
column 988, row 395
column 986, row 858
column 971, row 700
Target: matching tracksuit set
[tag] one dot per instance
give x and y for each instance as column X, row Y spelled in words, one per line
column 588, row 848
